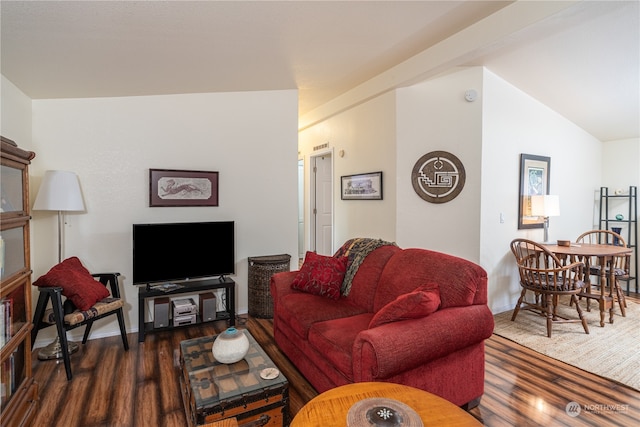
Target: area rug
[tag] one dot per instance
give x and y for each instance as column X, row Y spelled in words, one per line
column 612, row 351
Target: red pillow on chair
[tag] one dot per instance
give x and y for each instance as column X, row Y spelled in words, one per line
column 321, row 275
column 76, row 282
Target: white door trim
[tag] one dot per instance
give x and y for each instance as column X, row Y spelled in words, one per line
column 312, row 195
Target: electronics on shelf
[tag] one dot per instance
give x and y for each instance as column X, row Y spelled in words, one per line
column 183, row 307
column 207, row 306
column 161, row 312
column 184, row 312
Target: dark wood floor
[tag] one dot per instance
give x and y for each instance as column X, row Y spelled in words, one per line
column 111, row 387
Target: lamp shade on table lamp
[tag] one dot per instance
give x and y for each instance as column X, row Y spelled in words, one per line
column 545, row 206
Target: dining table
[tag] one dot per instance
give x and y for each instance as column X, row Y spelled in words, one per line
column 605, row 255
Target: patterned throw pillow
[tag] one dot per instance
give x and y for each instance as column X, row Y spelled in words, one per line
column 321, row 275
column 76, row 282
column 419, row 303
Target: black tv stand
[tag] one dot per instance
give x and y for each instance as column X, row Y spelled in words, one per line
column 188, row 287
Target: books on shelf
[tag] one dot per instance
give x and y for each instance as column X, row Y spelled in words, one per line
column 8, row 327
column 7, row 379
column 6, row 320
column 2, row 253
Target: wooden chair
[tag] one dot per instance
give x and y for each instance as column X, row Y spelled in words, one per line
column 619, row 264
column 66, row 317
column 542, row 273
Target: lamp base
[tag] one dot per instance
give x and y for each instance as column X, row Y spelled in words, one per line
column 54, row 350
column 546, row 229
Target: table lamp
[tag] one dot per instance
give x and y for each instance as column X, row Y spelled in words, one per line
column 59, row 191
column 545, row 206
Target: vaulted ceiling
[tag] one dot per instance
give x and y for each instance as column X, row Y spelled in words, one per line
column 581, row 58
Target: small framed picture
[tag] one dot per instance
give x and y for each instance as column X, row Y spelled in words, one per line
column 365, row 186
column 168, row 187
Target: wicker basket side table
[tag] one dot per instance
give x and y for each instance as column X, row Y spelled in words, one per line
column 260, row 271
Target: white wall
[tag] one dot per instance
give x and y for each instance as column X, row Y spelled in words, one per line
column 15, row 114
column 515, row 123
column 621, row 164
column 488, row 136
column 366, row 133
column 111, row 143
column 435, row 116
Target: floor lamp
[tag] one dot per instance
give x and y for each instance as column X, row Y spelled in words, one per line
column 59, row 191
column 545, row 206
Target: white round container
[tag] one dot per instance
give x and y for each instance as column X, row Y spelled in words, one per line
column 231, row 346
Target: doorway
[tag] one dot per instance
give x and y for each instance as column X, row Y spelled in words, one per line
column 321, row 212
column 301, row 250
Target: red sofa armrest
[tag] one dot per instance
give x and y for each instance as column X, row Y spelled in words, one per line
column 280, row 284
column 392, row 348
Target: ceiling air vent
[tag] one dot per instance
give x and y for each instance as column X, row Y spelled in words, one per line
column 320, row 147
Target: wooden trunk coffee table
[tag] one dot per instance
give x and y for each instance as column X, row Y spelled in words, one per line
column 330, row 408
column 213, row 391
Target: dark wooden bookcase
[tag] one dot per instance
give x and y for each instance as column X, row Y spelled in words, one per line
column 18, row 390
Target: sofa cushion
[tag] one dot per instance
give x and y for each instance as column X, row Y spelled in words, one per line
column 357, row 250
column 301, row 310
column 321, row 275
column 334, row 340
column 363, row 286
column 459, row 279
column 76, row 282
column 420, row 303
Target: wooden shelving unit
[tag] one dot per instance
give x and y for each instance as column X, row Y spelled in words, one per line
column 621, row 210
column 18, row 390
column 191, row 287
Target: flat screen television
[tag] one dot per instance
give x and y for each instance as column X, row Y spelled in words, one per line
column 176, row 252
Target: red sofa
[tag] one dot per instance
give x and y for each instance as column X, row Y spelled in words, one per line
column 331, row 342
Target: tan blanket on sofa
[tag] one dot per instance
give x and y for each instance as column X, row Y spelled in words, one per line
column 356, row 250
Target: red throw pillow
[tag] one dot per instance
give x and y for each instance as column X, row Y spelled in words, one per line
column 76, row 282
column 419, row 303
column 321, row 275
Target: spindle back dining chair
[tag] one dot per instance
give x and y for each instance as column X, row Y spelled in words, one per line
column 543, row 274
column 620, row 264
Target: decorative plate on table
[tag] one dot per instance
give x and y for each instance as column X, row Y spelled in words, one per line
column 382, row 412
column 269, row 373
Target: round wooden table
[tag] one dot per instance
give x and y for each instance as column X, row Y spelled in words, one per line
column 330, row 408
column 605, row 254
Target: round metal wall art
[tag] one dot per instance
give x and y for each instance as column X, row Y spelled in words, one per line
column 438, row 177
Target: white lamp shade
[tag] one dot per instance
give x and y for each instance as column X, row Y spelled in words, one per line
column 545, row 206
column 59, row 191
